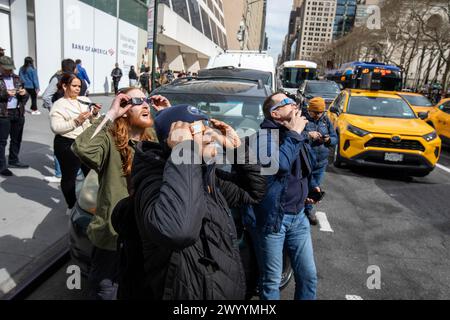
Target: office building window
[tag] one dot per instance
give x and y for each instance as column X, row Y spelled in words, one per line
column 108, row 6
column 133, row 12
column 195, row 14
column 180, row 7
column 206, row 25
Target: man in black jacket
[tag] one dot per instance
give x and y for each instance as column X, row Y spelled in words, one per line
column 182, row 210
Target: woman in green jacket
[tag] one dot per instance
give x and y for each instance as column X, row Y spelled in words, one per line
column 108, row 148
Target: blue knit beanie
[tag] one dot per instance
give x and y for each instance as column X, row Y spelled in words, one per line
column 184, row 113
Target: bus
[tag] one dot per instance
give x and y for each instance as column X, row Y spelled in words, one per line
column 291, row 74
column 353, row 75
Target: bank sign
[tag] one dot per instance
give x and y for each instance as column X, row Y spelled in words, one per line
column 94, row 50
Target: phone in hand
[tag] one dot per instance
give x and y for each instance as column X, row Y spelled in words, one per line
column 316, row 196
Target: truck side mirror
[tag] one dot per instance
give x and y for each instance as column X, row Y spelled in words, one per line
column 334, row 110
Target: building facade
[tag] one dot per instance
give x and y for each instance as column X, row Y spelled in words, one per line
column 345, row 18
column 189, row 33
column 100, row 33
column 246, row 23
column 316, row 27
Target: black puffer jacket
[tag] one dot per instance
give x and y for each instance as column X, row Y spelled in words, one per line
column 190, row 246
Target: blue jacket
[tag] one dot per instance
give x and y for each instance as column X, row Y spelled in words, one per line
column 82, row 74
column 293, row 152
column 320, row 150
column 29, row 78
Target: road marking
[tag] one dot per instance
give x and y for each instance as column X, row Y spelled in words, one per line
column 443, row 168
column 323, row 222
column 353, row 297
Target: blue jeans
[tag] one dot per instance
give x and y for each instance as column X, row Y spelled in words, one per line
column 295, row 236
column 58, row 172
column 317, row 178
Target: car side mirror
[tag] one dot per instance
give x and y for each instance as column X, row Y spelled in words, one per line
column 334, row 110
column 423, row 115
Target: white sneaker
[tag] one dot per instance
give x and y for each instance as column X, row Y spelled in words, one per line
column 36, row 113
column 52, row 179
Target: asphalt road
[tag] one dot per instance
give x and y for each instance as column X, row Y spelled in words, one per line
column 397, row 226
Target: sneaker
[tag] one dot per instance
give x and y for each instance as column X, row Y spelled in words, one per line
column 312, row 219
column 52, row 179
column 80, row 177
column 6, row 173
column 18, row 165
column 69, row 212
column 36, row 113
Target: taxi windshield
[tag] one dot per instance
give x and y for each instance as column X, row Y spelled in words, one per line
column 418, row 101
column 380, row 107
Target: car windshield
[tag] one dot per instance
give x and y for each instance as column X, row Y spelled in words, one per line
column 243, row 113
column 380, row 107
column 322, row 88
column 419, row 101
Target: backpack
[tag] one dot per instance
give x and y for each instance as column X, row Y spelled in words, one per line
column 129, row 247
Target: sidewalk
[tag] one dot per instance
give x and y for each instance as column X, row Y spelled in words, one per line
column 33, row 221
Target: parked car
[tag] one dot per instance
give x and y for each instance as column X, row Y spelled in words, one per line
column 238, row 103
column 328, row 90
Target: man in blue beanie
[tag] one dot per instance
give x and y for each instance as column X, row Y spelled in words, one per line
column 182, row 211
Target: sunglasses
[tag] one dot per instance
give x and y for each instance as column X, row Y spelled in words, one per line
column 283, row 103
column 136, row 102
column 199, row 127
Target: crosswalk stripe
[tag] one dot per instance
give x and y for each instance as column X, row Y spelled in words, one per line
column 323, row 222
column 443, row 168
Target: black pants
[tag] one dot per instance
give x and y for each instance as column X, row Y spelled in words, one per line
column 70, row 164
column 116, row 85
column 33, row 96
column 11, row 126
column 104, row 274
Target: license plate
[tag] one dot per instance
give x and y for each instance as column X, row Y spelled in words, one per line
column 393, row 157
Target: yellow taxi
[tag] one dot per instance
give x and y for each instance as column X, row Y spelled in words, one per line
column 418, row 102
column 439, row 118
column 379, row 129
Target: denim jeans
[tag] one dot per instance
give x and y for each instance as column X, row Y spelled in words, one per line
column 11, row 127
column 317, row 178
column 58, row 172
column 295, row 236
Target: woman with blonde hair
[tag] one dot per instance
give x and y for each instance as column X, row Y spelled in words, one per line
column 108, row 148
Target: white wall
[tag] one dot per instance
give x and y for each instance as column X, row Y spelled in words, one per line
column 5, row 38
column 128, row 50
column 19, row 28
column 48, row 39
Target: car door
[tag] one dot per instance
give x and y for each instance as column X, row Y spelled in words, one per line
column 444, row 120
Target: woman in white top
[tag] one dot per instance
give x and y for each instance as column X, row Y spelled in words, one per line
column 69, row 117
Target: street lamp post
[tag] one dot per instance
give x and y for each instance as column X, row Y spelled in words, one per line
column 155, row 44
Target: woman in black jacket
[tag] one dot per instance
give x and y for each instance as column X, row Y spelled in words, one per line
column 182, row 211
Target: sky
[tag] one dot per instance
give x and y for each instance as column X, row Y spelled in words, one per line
column 277, row 24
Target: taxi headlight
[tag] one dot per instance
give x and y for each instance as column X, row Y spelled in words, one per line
column 355, row 130
column 431, row 136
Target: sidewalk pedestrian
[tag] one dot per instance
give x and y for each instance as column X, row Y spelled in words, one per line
column 110, row 152
column 116, row 75
column 132, row 76
column 145, row 80
column 280, row 218
column 13, row 98
column 321, row 136
column 52, row 94
column 182, row 211
column 29, row 77
column 82, row 74
column 69, row 117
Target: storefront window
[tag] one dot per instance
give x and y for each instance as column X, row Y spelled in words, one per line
column 108, row 6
